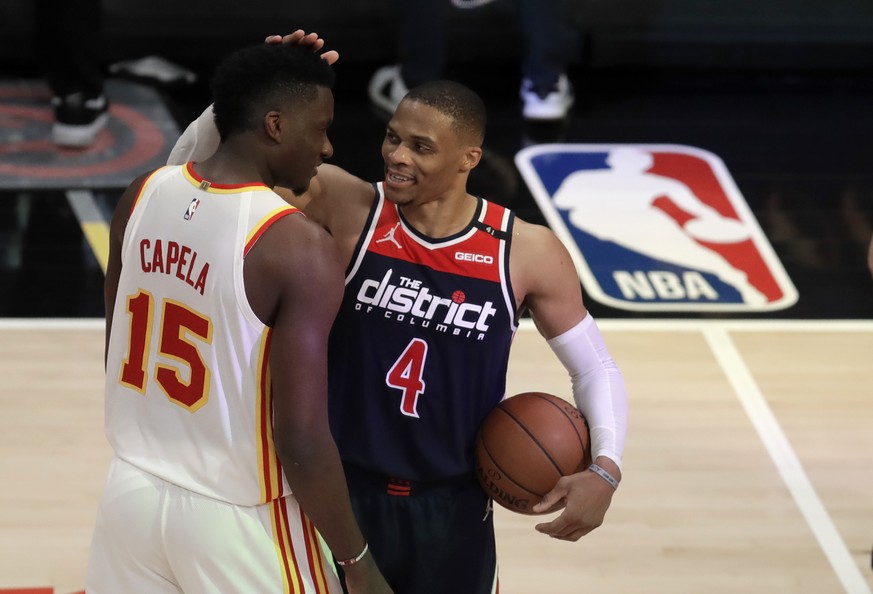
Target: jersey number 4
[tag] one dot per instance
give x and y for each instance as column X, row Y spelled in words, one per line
column 176, row 324
column 407, row 375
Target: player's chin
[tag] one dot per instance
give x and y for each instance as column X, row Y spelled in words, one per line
column 299, row 186
column 400, row 198
column 297, row 189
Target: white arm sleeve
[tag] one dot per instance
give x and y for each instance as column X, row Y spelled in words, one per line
column 198, row 141
column 598, row 386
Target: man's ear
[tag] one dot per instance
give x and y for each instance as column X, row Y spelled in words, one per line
column 274, row 125
column 472, row 156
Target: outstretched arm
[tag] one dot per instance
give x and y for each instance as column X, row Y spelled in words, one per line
column 543, row 272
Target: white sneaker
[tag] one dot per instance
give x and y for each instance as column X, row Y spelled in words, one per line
column 554, row 106
column 154, row 68
column 386, row 88
column 470, row 3
column 78, row 119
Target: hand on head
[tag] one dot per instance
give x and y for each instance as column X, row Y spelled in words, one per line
column 300, row 37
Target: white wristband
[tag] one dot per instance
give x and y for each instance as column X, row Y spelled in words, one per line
column 353, row 560
column 604, row 475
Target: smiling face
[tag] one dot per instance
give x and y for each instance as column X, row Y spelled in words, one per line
column 304, row 144
column 425, row 157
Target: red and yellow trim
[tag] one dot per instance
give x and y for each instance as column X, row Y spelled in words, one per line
column 198, row 180
column 264, row 224
column 269, row 468
column 142, row 187
column 315, row 554
column 291, row 582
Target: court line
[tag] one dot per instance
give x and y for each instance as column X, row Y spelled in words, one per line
column 526, row 325
column 52, row 323
column 93, row 223
column 745, row 325
column 786, row 461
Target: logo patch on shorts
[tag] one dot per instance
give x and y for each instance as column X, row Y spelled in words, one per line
column 656, row 227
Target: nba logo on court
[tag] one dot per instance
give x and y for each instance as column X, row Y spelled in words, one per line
column 656, row 227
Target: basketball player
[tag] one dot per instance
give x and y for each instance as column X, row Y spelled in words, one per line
column 220, row 298
column 436, row 282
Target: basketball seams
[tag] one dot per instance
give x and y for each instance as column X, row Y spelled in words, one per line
column 503, row 473
column 534, row 439
column 582, row 444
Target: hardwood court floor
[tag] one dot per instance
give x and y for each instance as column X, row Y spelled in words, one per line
column 747, row 467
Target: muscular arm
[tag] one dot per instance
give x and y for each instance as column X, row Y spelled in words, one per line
column 545, row 280
column 340, row 202
column 113, row 269
column 294, row 283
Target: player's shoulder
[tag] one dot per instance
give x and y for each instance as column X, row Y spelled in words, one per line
column 537, row 256
column 125, row 203
column 527, row 236
column 296, row 230
column 296, row 241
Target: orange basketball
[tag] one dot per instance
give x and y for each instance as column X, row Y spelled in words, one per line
column 526, row 444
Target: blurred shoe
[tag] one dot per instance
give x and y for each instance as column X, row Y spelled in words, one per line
column 386, row 88
column 153, row 69
column 78, row 119
column 470, row 3
column 551, row 105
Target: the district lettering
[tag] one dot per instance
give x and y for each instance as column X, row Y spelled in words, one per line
column 172, row 258
column 408, row 296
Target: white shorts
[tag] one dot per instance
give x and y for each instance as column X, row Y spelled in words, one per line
column 153, row 537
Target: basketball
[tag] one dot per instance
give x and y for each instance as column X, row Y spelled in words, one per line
column 526, row 444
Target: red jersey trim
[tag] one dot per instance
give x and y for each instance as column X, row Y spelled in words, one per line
column 270, row 470
column 142, row 187
column 264, row 224
column 285, row 548
column 473, row 252
column 314, row 554
column 197, row 180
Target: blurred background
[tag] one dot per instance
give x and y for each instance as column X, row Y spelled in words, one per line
column 780, row 90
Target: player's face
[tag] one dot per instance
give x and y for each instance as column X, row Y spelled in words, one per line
column 423, row 155
column 305, row 141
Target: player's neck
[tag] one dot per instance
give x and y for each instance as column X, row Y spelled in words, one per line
column 231, row 166
column 442, row 217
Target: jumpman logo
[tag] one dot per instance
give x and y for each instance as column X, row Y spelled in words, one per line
column 390, row 236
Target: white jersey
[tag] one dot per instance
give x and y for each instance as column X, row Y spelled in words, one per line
column 187, row 383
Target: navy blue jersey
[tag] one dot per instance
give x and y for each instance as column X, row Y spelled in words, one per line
column 420, row 347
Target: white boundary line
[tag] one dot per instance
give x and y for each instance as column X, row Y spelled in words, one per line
column 681, row 325
column 786, row 461
column 609, row 325
column 52, row 323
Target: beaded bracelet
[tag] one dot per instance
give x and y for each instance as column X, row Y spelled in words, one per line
column 604, row 475
column 353, row 560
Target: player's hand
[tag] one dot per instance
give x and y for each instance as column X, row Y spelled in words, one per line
column 584, row 497
column 312, row 40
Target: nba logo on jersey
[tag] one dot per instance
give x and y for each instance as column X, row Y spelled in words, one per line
column 656, row 227
column 189, row 213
